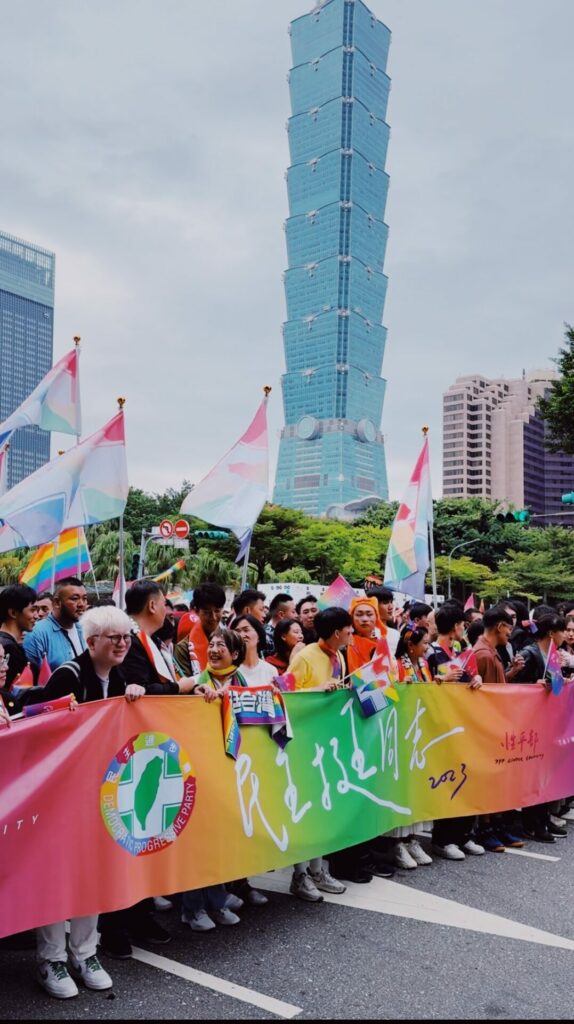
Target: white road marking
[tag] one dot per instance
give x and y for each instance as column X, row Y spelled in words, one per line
column 534, row 856
column 227, row 988
column 385, row 897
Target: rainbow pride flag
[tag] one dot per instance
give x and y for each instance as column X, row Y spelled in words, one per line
column 408, row 553
column 68, row 555
column 338, row 595
column 180, row 564
column 53, row 405
column 373, row 682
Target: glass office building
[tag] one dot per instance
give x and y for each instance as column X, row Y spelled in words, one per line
column 332, row 451
column 26, row 343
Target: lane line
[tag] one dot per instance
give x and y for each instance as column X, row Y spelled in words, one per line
column 226, row 988
column 534, row 856
column 382, row 896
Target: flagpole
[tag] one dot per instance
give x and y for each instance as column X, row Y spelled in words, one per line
column 266, row 391
column 431, row 538
column 77, row 340
column 121, row 567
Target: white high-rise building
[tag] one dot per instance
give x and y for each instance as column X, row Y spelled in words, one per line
column 493, row 443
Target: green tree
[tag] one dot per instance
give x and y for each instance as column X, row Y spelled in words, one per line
column 466, row 576
column 206, row 565
column 458, row 521
column 105, row 555
column 557, row 407
column 12, row 564
column 380, row 515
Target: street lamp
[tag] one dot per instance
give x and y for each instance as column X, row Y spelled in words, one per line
column 465, row 543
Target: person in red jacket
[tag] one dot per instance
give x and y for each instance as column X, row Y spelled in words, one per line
column 197, row 626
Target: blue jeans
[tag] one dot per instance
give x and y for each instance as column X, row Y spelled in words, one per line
column 212, row 897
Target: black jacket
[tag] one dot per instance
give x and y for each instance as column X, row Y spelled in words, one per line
column 78, row 677
column 534, row 665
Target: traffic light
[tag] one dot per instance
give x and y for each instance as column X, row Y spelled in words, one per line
column 520, row 515
column 135, row 567
column 568, row 499
column 212, row 534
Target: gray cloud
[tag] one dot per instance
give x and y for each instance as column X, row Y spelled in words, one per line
column 145, row 144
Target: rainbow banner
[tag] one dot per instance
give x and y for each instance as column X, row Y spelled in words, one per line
column 121, row 797
column 67, row 556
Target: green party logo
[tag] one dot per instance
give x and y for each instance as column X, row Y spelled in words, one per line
column 148, row 793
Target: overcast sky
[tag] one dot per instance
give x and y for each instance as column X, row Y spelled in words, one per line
column 144, row 142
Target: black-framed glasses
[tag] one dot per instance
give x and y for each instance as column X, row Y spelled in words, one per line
column 117, row 638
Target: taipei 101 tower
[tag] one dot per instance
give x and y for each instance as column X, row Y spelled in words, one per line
column 332, row 451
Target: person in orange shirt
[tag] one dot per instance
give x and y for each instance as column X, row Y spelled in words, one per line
column 364, row 612
column 196, row 628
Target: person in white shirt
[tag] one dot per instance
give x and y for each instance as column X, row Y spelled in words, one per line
column 254, row 670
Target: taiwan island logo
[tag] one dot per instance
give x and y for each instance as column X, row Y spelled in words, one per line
column 148, row 793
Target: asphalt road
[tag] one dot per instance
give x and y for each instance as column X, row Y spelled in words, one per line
column 362, row 956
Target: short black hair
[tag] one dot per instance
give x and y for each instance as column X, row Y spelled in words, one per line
column 247, row 598
column 418, row 610
column 382, row 594
column 496, row 614
column 15, row 598
column 308, row 597
column 475, row 630
column 257, row 626
column 329, row 621
column 549, row 624
column 519, row 607
column 278, row 601
column 542, row 610
column 139, row 594
column 469, row 612
column 68, row 581
column 208, row 595
column 447, row 617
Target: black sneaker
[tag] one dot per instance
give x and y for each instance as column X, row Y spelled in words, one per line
column 378, row 867
column 557, row 831
column 116, row 944
column 148, row 930
column 541, row 835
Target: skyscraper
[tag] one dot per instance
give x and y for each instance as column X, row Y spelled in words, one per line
column 494, row 444
column 26, row 343
column 331, row 450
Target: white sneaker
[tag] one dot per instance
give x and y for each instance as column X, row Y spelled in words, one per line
column 450, row 852
column 225, row 916
column 417, row 853
column 402, row 857
column 558, row 820
column 199, row 922
column 233, row 902
column 475, row 848
column 91, row 972
column 302, row 885
column 161, row 904
column 53, row 976
column 568, row 815
column 326, row 883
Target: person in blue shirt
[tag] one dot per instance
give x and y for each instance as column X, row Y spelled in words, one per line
column 59, row 636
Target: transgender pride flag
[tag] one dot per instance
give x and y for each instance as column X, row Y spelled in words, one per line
column 408, row 555
column 53, row 405
column 235, row 490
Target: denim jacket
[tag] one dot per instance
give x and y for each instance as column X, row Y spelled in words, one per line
column 49, row 638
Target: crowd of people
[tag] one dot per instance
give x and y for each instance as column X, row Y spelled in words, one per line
column 155, row 648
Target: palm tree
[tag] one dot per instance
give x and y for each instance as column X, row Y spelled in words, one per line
column 105, row 554
column 206, row 565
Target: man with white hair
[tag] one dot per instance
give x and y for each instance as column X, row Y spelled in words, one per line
column 92, row 675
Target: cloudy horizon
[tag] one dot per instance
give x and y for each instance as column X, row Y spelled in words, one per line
column 146, row 147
